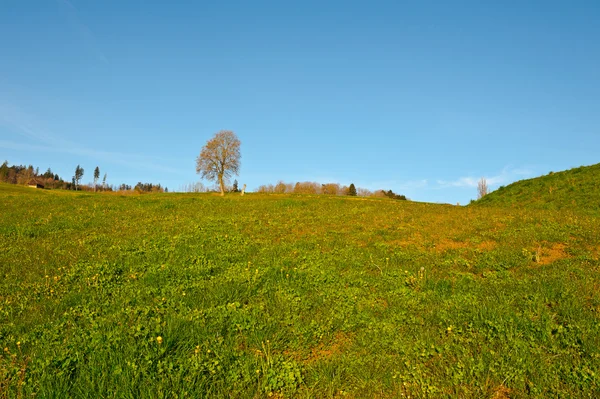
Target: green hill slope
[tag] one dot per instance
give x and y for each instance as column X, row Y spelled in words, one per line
column 293, row 296
column 576, row 189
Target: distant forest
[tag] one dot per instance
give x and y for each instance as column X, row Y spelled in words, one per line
column 30, row 176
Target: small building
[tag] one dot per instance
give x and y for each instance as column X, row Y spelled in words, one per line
column 35, row 184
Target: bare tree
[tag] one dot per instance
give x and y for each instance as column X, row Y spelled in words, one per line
column 307, row 187
column 279, row 188
column 266, row 189
column 482, row 188
column 330, row 188
column 220, row 158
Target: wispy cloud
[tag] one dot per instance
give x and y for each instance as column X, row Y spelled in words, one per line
column 460, row 182
column 41, row 140
column 82, row 30
column 507, row 175
column 413, row 184
column 21, row 123
column 118, row 158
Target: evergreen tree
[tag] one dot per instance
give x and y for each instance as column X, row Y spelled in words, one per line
column 4, row 171
column 78, row 176
column 96, row 177
column 352, row 190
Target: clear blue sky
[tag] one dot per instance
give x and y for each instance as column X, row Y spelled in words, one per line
column 421, row 97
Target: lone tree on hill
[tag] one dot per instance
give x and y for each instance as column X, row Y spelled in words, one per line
column 220, row 158
column 352, row 190
column 482, row 188
column 78, row 176
column 96, row 177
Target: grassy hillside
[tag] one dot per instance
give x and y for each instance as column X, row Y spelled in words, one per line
column 197, row 296
column 576, row 189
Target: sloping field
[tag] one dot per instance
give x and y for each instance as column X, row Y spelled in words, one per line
column 192, row 295
column 576, row 189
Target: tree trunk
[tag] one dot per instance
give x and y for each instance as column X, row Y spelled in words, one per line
column 222, row 185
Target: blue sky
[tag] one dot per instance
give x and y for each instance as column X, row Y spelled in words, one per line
column 421, row 97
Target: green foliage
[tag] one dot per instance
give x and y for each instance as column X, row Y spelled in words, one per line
column 352, row 190
column 77, row 177
column 24, row 175
column 4, row 171
column 392, row 195
column 576, row 189
column 198, row 296
column 148, row 188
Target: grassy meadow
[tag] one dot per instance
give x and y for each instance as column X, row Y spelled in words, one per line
column 574, row 189
column 290, row 296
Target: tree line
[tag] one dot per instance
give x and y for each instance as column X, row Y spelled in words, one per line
column 218, row 161
column 315, row 188
column 28, row 175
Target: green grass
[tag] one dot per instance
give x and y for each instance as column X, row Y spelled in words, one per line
column 293, row 296
column 576, row 189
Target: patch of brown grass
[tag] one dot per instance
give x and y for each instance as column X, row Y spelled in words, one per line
column 501, row 392
column 323, row 351
column 553, row 253
column 595, row 252
column 445, row 245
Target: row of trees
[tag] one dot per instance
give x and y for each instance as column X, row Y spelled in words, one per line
column 79, row 171
column 325, row 189
column 28, row 175
column 150, row 188
column 308, row 187
column 295, row 188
